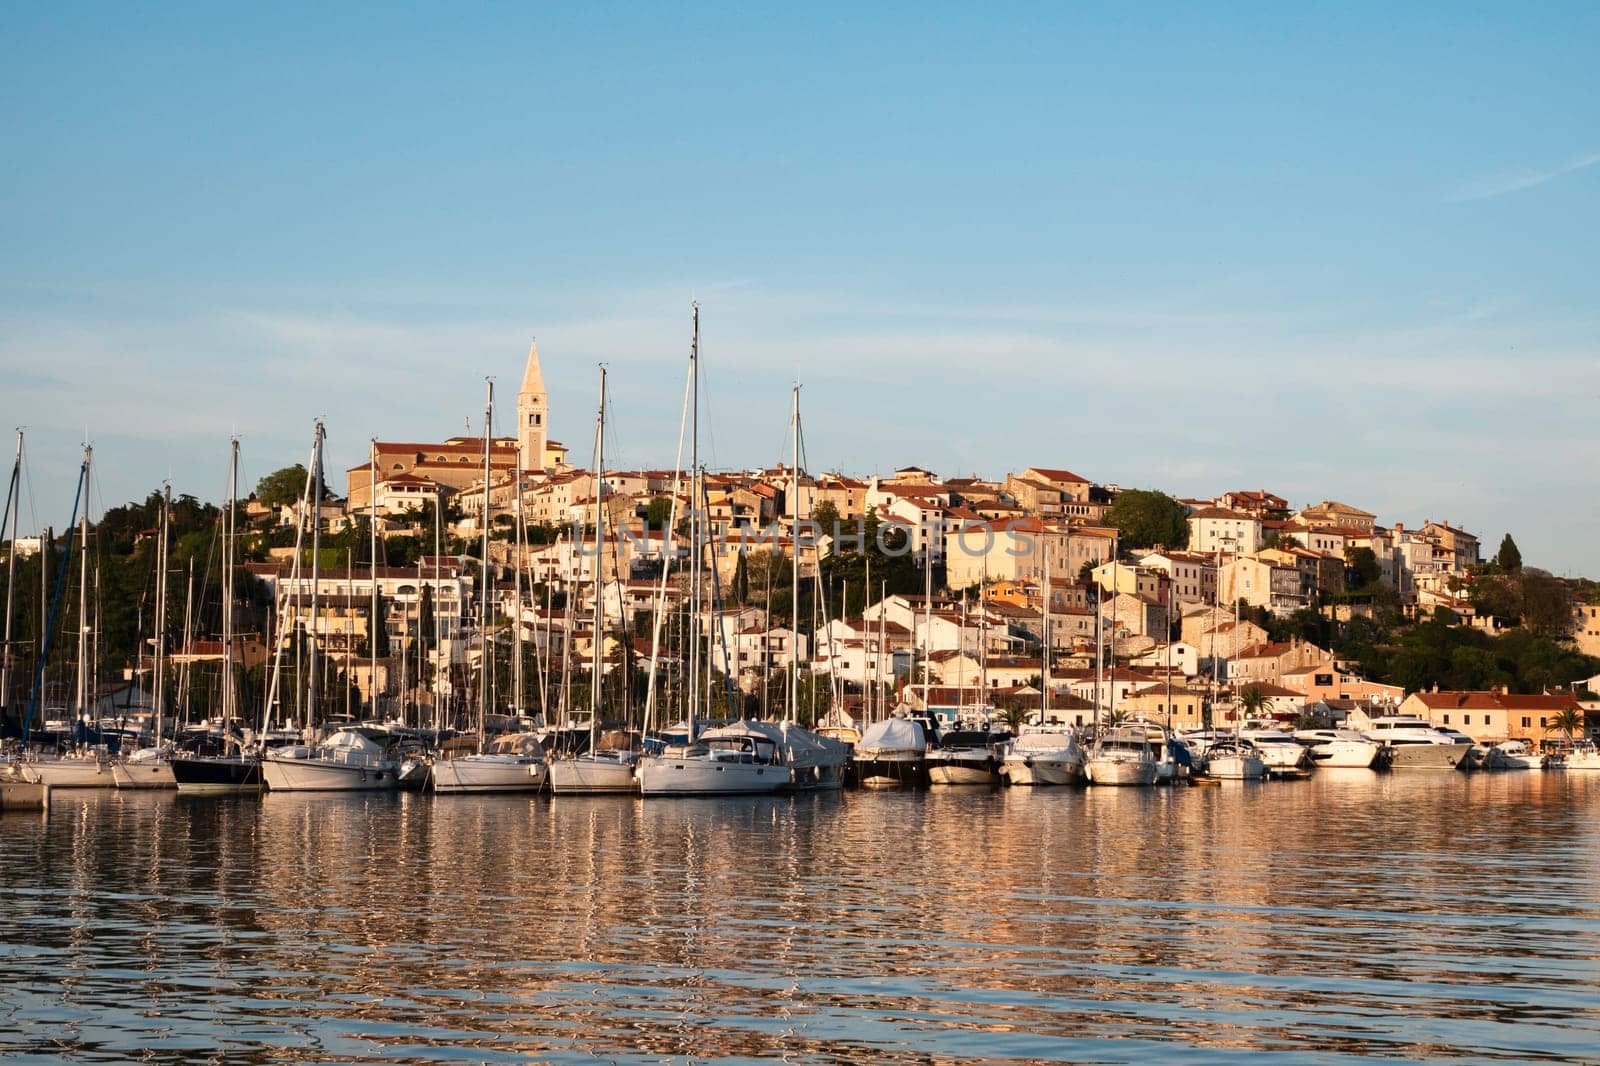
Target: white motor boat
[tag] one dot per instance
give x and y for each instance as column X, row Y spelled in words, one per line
column 1279, row 751
column 1044, row 758
column 1583, row 756
column 1122, row 756
column 354, row 759
column 1340, row 748
column 892, row 753
column 1513, row 755
column 514, row 763
column 1228, row 759
column 967, row 757
column 1415, row 744
column 145, row 768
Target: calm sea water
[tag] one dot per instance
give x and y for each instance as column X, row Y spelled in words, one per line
column 1435, row 917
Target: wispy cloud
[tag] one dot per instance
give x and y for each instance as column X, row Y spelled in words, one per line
column 1516, row 181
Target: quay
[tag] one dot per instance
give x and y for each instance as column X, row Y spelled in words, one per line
column 22, row 796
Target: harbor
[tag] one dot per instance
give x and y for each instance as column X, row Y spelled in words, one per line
column 1423, row 916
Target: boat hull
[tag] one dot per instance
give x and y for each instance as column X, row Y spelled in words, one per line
column 1428, row 756
column 319, row 775
column 216, row 775
column 489, row 773
column 882, row 772
column 1235, row 768
column 1043, row 770
column 667, row 776
column 155, row 773
column 1345, row 755
column 69, row 773
column 584, row 775
column 1121, row 772
column 977, row 771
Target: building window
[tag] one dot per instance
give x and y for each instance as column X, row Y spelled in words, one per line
column 1527, row 722
column 1466, row 719
column 1447, row 719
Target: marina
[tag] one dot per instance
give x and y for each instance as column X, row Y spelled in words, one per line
column 1352, row 916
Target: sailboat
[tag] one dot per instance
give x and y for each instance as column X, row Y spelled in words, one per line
column 151, row 767
column 815, row 761
column 738, row 763
column 1121, row 755
column 223, row 765
column 89, row 765
column 515, row 763
column 608, row 766
column 354, row 758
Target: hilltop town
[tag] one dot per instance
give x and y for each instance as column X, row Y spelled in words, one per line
column 1205, row 610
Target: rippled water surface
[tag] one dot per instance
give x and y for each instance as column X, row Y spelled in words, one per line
column 1426, row 917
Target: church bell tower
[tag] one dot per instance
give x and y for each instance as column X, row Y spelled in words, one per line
column 533, row 414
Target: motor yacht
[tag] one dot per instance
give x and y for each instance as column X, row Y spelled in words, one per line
column 1415, row 744
column 1342, row 749
column 967, row 757
column 1044, row 757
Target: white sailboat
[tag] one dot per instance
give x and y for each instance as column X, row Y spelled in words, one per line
column 515, row 763
column 609, row 769
column 355, row 758
column 738, row 763
column 151, row 767
column 87, row 766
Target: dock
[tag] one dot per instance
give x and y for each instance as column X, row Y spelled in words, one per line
column 21, row 796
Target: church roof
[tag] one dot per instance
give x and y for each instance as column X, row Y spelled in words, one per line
column 533, row 376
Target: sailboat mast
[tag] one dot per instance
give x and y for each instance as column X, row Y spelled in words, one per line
column 517, row 682
column 314, row 511
column 794, row 555
column 668, row 546
column 694, row 523
column 227, row 590
column 1044, row 699
column 866, row 598
column 485, row 659
column 83, row 588
column 372, row 536
column 159, row 700
column 597, row 644
column 10, row 521
column 438, row 564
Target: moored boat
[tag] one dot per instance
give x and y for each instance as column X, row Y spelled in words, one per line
column 1043, row 757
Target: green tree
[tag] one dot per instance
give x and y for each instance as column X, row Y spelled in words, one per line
column 1147, row 518
column 1546, row 603
column 658, row 512
column 1508, row 558
column 283, row 486
column 1361, row 570
column 826, row 516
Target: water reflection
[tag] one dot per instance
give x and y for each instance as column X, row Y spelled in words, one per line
column 1416, row 915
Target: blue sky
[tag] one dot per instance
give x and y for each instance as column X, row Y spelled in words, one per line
column 1341, row 251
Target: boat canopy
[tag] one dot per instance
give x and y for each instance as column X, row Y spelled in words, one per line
column 893, row 734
